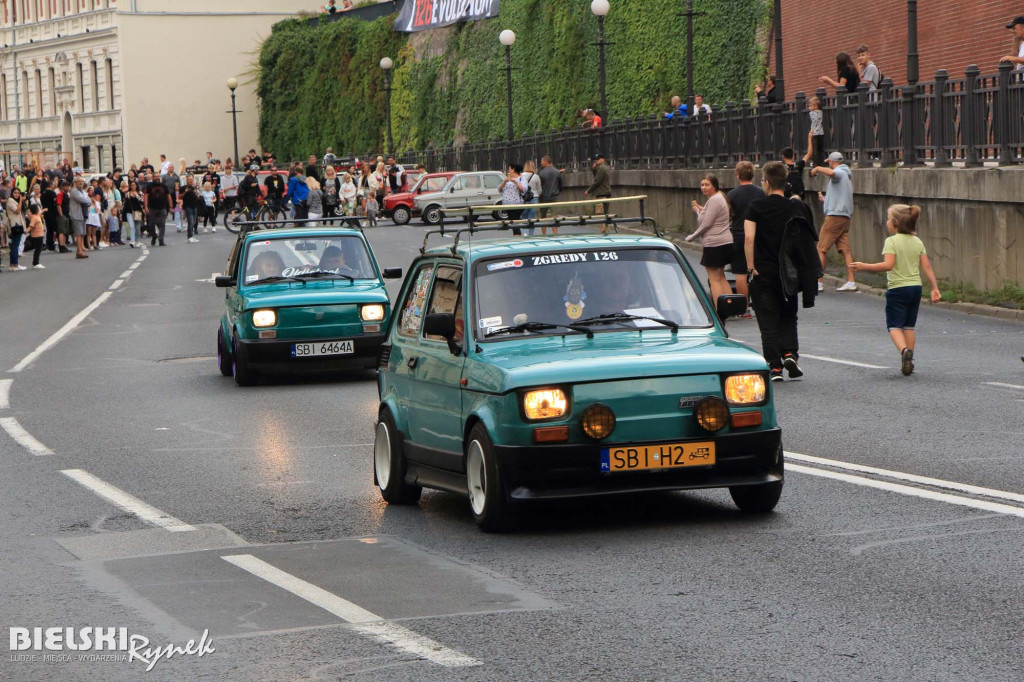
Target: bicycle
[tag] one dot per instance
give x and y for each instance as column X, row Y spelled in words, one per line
column 237, row 216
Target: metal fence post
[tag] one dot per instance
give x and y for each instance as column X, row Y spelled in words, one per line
column 800, row 125
column 908, row 125
column 939, row 126
column 1002, row 115
column 972, row 125
column 730, row 148
column 747, row 131
column 862, row 127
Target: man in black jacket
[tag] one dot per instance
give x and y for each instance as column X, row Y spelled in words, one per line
column 765, row 231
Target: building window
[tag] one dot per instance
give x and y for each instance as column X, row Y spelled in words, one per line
column 86, row 165
column 81, row 88
column 53, row 92
column 110, row 84
column 39, row 93
column 26, row 109
column 95, row 82
column 3, row 97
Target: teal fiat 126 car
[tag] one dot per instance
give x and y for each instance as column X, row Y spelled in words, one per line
column 301, row 300
column 546, row 368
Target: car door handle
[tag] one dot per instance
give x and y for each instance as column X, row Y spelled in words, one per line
column 479, row 192
column 412, row 362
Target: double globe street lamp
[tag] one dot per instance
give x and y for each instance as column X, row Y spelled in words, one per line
column 386, row 64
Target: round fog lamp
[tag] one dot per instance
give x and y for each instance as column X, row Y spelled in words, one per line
column 712, row 414
column 598, row 421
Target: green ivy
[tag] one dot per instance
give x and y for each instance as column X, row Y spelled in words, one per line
column 321, row 85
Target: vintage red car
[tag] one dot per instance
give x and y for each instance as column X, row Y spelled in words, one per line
column 400, row 206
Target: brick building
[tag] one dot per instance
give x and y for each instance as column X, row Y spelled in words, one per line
column 951, row 35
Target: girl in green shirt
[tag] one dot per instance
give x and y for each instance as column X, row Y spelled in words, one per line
column 905, row 258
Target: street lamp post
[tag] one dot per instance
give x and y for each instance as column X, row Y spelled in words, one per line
column 387, row 64
column 780, row 85
column 600, row 9
column 232, row 84
column 912, row 60
column 689, row 14
column 508, row 39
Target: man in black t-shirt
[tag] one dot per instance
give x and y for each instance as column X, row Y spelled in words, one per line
column 275, row 184
column 740, row 198
column 764, row 224
column 157, row 204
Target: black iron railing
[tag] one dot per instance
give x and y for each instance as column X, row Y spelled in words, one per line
column 967, row 121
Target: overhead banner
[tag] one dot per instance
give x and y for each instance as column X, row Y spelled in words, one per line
column 420, row 15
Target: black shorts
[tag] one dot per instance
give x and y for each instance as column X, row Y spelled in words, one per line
column 716, row 256
column 739, row 256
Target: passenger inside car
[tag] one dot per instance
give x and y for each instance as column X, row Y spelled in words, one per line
column 332, row 260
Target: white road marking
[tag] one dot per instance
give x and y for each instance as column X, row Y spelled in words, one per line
column 126, row 274
column 117, row 284
column 5, row 393
column 135, row 264
column 910, row 478
column 23, row 437
column 128, row 503
column 363, row 621
column 1002, row 385
column 61, row 333
column 909, row 490
column 213, row 278
column 841, row 362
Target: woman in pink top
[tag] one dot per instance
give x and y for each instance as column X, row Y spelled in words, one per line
column 713, row 222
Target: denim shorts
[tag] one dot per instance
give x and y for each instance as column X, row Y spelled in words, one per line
column 901, row 306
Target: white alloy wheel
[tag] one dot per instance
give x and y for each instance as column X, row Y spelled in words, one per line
column 382, row 455
column 476, row 477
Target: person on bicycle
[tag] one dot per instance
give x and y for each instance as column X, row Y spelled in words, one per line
column 249, row 190
column 275, row 184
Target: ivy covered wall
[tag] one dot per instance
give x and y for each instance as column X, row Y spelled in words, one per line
column 321, row 85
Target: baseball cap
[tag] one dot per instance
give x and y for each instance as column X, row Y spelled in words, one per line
column 835, row 156
column 597, row 156
column 1016, row 20
column 254, row 167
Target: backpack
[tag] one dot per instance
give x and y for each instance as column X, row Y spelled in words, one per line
column 528, row 195
column 799, row 264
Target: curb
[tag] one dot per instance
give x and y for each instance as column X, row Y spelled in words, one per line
column 969, row 308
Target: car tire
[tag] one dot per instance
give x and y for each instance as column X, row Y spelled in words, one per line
column 389, row 463
column 244, row 375
column 223, row 357
column 432, row 214
column 761, row 498
column 488, row 498
column 500, row 215
column 401, row 215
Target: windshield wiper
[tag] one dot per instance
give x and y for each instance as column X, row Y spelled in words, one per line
column 538, row 326
column 321, row 273
column 611, row 318
column 276, row 278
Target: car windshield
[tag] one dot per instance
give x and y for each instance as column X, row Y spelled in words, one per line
column 578, row 288
column 322, row 257
column 432, row 184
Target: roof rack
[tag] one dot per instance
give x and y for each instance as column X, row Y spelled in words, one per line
column 349, row 222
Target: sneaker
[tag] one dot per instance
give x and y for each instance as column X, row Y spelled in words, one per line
column 131, row 244
column 749, row 315
column 907, row 366
column 178, row 230
column 776, row 374
column 14, row 268
column 789, row 362
column 821, row 287
column 64, row 249
column 193, row 240
column 213, row 229
column 38, row 267
column 849, row 286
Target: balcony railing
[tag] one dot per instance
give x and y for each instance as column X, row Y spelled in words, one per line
column 969, row 121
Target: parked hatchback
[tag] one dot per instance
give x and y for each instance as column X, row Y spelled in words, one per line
column 301, row 300
column 401, row 207
column 537, row 369
column 461, row 191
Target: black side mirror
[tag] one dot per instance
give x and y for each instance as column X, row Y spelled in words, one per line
column 392, row 273
column 731, row 304
column 223, row 281
column 439, row 324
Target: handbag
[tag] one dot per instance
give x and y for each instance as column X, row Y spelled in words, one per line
column 137, row 216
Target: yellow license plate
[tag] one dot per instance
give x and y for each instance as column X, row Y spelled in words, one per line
column 661, row 456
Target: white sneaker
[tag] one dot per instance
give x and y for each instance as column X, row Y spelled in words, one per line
column 193, row 240
column 103, row 245
column 38, row 267
column 213, row 229
column 821, row 287
column 849, row 286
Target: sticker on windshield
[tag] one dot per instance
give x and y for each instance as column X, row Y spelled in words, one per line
column 251, row 278
column 575, row 298
column 580, row 257
column 490, row 321
column 505, row 265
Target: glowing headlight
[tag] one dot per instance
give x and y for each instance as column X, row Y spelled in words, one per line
column 546, row 403
column 744, row 389
column 598, row 421
column 264, row 318
column 373, row 312
column 712, row 414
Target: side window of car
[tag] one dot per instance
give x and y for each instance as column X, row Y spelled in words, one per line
column 459, row 185
column 411, row 315
column 491, row 181
column 231, row 269
column 444, row 297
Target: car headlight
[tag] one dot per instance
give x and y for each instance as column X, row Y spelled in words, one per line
column 545, row 403
column 598, row 421
column 264, row 318
column 744, row 389
column 374, row 312
column 712, row 414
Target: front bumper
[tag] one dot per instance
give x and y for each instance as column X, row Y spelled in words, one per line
column 267, row 354
column 566, row 471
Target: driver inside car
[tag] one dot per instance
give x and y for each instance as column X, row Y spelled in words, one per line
column 332, row 260
column 267, row 264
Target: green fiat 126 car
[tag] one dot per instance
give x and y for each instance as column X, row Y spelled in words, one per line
column 301, row 300
column 574, row 366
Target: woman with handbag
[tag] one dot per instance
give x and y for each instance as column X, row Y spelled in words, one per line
column 133, row 213
column 16, row 226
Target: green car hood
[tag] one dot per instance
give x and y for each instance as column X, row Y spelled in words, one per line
column 505, row 366
column 334, row 292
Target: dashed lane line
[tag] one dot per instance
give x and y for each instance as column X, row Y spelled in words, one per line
column 909, row 478
column 126, row 274
column 363, row 621
column 117, row 284
column 22, row 437
column 999, row 384
column 127, row 502
column 61, row 333
column 5, row 393
column 822, row 358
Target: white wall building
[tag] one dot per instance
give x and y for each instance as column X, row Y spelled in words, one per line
column 106, row 82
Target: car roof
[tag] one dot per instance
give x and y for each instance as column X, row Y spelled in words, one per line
column 477, row 249
column 284, row 233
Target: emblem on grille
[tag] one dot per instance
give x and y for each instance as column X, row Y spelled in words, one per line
column 690, row 401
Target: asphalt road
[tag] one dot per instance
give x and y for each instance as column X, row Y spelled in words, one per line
column 264, row 527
